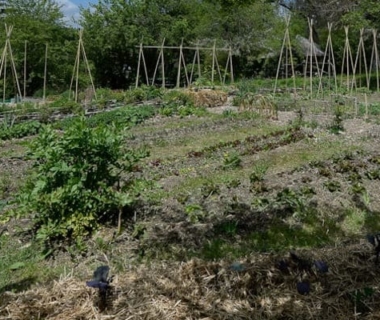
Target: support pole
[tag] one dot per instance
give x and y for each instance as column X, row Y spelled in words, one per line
column 347, row 58
column 329, row 55
column 360, row 55
column 45, row 73
column 375, row 56
column 286, row 45
column 80, row 50
column 25, row 52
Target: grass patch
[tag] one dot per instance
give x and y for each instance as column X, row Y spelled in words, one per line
column 22, row 265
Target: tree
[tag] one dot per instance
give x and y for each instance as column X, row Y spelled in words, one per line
column 40, row 22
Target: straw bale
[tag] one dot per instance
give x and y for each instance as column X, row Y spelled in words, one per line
column 213, row 290
column 208, row 97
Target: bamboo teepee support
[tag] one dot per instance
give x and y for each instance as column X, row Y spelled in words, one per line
column 25, row 53
column 286, row 45
column 3, row 65
column 182, row 62
column 215, row 63
column 329, row 55
column 162, row 60
column 80, row 51
column 309, row 59
column 360, row 55
column 141, row 59
column 45, row 73
column 375, row 56
column 347, row 60
column 197, row 60
column 229, row 64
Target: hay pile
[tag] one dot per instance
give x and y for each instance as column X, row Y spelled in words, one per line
column 213, row 290
column 262, row 104
column 208, row 98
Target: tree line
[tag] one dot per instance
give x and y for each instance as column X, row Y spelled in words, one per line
column 113, row 30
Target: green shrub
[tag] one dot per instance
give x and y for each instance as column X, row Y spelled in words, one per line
column 19, row 130
column 65, row 105
column 125, row 117
column 76, row 179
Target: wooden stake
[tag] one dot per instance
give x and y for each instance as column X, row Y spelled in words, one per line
column 213, row 62
column 179, row 65
column 347, row 58
column 196, row 59
column 329, row 54
column 375, row 56
column 229, row 64
column 163, row 65
column 45, row 73
column 3, row 66
column 286, row 45
column 359, row 56
column 5, row 78
column 160, row 57
column 76, row 68
column 88, row 68
column 25, row 51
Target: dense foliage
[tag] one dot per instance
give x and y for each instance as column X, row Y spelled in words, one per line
column 77, row 179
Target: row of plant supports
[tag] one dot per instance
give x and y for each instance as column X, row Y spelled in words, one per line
column 189, row 74
column 7, row 57
column 350, row 67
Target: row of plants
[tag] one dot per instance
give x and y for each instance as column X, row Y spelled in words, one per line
column 253, row 144
column 19, row 130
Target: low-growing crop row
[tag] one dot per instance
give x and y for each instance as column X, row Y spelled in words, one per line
column 19, row 130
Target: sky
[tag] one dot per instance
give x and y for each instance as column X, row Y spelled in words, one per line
column 70, row 8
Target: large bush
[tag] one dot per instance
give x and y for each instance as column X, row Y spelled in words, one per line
column 77, row 179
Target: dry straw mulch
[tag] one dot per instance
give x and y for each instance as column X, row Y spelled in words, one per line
column 213, row 290
column 208, row 97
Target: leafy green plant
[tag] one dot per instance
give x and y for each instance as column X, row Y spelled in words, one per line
column 194, row 212
column 209, row 188
column 19, row 130
column 258, row 173
column 77, row 179
column 337, row 125
column 257, row 178
column 231, row 161
column 332, row 185
column 65, row 105
column 228, row 228
column 296, row 200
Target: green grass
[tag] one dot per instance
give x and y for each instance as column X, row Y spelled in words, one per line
column 22, row 264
